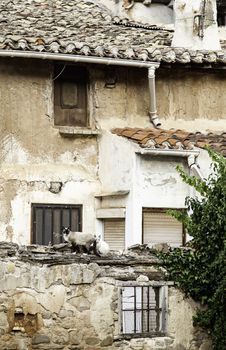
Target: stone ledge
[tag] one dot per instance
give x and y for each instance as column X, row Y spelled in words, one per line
column 69, row 131
column 61, row 254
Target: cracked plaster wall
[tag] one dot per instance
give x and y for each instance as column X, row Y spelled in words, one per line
column 152, row 181
column 33, row 153
column 188, row 99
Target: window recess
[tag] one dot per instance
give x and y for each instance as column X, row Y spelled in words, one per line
column 70, row 96
column 48, row 219
column 159, row 227
column 114, row 233
column 143, row 309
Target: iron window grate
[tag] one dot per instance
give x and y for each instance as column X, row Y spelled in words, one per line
column 143, row 310
column 48, row 219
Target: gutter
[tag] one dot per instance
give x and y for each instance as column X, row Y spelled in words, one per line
column 77, row 58
column 189, row 154
column 151, row 66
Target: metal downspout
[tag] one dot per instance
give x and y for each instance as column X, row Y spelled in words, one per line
column 152, row 92
column 193, row 165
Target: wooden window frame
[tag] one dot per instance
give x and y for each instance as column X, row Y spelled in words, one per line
column 52, row 207
column 64, row 114
column 163, row 289
column 162, row 210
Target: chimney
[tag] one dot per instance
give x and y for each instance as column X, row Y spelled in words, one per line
column 196, row 25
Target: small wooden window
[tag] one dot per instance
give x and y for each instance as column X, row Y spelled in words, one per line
column 70, row 96
column 48, row 219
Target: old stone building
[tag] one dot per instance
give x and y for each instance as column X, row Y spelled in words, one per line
column 100, row 100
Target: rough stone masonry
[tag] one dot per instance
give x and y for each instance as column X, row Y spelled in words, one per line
column 53, row 299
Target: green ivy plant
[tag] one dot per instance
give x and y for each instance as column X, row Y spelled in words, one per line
column 200, row 268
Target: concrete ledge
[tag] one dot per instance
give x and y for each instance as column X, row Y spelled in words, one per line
column 69, row 131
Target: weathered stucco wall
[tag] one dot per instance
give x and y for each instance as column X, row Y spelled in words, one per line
column 52, row 300
column 188, row 99
column 193, row 99
column 152, row 181
column 33, row 153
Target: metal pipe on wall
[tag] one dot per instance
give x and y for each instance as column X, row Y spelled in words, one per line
column 152, row 91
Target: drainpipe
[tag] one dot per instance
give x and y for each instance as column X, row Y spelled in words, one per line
column 190, row 155
column 152, row 92
column 193, row 165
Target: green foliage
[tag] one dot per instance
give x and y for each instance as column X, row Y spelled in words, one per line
column 200, row 269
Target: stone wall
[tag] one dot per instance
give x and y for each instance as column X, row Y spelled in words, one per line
column 53, row 299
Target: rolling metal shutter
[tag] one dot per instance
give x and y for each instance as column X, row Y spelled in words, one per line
column 114, row 233
column 158, row 227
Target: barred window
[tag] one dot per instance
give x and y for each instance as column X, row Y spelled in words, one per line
column 48, row 219
column 144, row 309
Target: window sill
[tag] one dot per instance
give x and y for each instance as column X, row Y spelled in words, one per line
column 69, row 131
column 139, row 335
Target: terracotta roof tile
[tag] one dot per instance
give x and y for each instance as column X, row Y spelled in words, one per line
column 86, row 28
column 173, row 139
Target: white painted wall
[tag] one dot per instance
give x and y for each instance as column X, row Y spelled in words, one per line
column 185, row 34
column 153, row 181
column 151, row 14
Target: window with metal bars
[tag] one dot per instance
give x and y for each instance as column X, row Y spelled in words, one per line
column 143, row 309
column 48, row 219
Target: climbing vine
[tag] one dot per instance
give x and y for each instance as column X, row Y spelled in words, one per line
column 200, row 268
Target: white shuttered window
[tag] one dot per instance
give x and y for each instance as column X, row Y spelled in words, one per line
column 159, row 227
column 114, row 233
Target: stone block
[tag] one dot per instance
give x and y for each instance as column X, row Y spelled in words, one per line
column 80, row 303
column 76, row 275
column 92, row 341
column 3, row 320
column 88, row 276
column 75, row 337
column 40, row 339
column 107, row 341
column 65, row 313
column 60, row 336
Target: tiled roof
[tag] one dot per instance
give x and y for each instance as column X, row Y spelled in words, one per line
column 173, row 139
column 83, row 27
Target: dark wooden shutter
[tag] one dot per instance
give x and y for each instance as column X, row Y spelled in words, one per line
column 48, row 221
column 70, row 97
